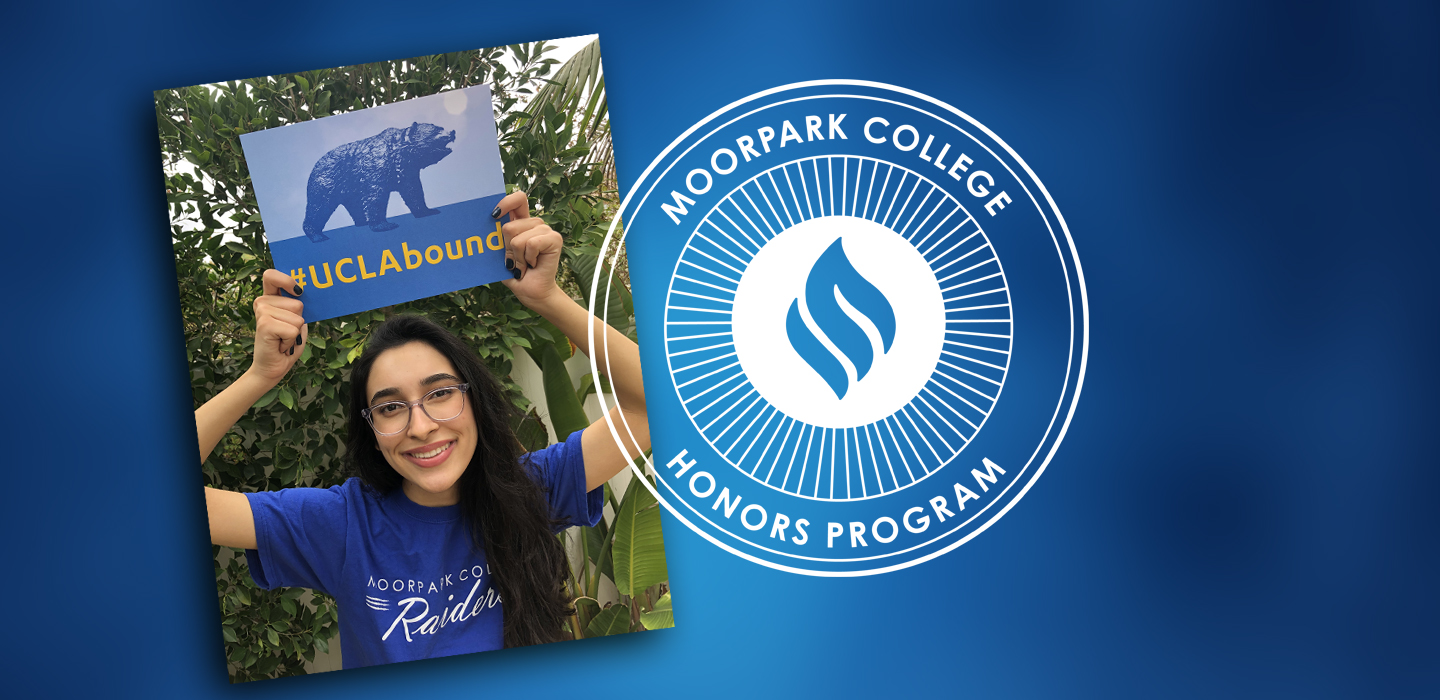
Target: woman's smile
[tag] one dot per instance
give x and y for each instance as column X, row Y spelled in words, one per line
column 431, row 455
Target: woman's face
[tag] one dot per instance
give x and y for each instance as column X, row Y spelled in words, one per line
column 430, row 455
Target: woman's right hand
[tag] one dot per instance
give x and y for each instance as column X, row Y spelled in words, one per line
column 280, row 330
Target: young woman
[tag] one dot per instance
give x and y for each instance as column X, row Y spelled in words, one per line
column 444, row 544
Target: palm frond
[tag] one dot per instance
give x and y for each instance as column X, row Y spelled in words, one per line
column 578, row 88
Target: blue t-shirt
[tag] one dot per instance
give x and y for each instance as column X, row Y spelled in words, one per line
column 408, row 582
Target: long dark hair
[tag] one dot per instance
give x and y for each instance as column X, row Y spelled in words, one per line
column 504, row 507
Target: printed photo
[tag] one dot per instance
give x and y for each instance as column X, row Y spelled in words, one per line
column 384, row 274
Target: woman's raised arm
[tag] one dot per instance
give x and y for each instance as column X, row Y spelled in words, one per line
column 279, row 333
column 534, row 250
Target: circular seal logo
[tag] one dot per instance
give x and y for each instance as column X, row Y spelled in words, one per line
column 863, row 326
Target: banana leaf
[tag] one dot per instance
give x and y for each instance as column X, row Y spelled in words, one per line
column 567, row 415
column 612, row 620
column 618, row 304
column 530, row 431
column 661, row 617
column 639, row 547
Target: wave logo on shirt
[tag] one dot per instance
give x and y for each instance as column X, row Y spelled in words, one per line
column 863, row 326
column 415, row 615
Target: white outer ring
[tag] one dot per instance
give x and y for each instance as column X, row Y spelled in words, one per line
column 1084, row 327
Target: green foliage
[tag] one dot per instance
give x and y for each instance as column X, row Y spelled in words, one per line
column 578, row 87
column 612, row 620
column 567, row 412
column 269, row 633
column 294, row 435
column 639, row 562
column 630, row 551
column 661, row 617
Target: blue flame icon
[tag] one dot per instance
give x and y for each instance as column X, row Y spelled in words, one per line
column 832, row 279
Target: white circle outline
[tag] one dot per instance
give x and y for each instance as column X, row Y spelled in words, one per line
column 1079, row 281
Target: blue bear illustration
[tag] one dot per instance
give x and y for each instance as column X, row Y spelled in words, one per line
column 361, row 175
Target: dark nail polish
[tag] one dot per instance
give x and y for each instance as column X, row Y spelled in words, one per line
column 495, row 214
column 297, row 340
column 509, row 264
column 297, row 290
column 517, row 274
column 292, row 350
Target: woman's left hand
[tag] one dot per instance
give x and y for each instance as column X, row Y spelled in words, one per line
column 532, row 251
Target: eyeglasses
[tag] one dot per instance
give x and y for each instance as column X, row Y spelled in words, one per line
column 443, row 404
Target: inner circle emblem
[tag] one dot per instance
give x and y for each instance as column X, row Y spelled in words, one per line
column 867, row 316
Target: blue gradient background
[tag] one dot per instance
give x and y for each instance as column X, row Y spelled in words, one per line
column 1244, row 506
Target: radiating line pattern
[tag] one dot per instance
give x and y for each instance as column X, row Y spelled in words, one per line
column 838, row 463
